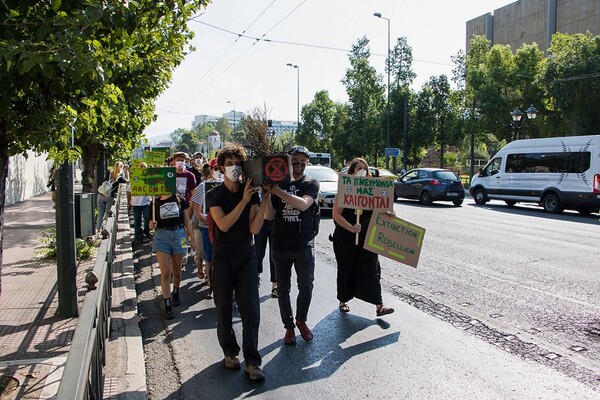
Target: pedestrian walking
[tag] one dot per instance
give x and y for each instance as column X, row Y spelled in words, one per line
column 234, row 208
column 359, row 271
column 141, row 214
column 292, row 210
column 172, row 237
column 118, row 175
column 201, row 215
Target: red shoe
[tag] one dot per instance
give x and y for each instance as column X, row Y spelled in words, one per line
column 290, row 336
column 304, row 331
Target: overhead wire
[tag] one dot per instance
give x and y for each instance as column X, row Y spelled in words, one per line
column 193, row 87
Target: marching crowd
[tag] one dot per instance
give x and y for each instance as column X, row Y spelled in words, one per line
column 227, row 222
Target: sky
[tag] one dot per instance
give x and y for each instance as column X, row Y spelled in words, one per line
column 242, row 48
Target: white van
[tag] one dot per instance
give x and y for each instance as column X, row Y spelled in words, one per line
column 557, row 173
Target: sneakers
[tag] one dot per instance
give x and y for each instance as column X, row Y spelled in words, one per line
column 232, row 362
column 176, row 299
column 169, row 312
column 255, row 373
column 274, row 292
column 290, row 336
column 304, row 331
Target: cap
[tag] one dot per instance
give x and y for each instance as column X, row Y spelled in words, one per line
column 300, row 149
column 180, row 154
column 198, row 154
column 213, row 163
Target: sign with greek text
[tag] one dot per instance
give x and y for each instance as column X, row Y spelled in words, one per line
column 153, row 181
column 156, row 158
column 365, row 193
column 394, row 238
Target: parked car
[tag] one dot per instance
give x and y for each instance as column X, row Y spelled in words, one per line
column 328, row 180
column 376, row 172
column 428, row 185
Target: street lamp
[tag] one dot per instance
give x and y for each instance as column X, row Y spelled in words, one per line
column 387, row 158
column 233, row 102
column 518, row 122
column 298, row 91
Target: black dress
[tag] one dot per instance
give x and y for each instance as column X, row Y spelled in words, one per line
column 359, row 272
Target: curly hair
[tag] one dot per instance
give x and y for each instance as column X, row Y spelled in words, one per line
column 352, row 165
column 231, row 150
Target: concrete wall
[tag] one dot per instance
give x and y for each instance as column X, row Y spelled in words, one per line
column 526, row 21
column 27, row 177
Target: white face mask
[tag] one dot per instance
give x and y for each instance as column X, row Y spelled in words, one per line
column 198, row 161
column 179, row 164
column 362, row 172
column 233, row 172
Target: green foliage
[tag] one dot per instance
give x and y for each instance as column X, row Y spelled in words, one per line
column 47, row 249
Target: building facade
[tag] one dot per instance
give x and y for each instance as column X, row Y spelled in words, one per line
column 529, row 21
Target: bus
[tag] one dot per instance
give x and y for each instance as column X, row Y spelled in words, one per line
column 323, row 159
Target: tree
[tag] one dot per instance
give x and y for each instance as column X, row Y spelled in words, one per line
column 364, row 133
column 86, row 72
column 572, row 83
column 318, row 123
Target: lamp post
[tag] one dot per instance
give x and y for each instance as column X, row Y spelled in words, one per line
column 298, row 93
column 233, row 102
column 518, row 122
column 387, row 158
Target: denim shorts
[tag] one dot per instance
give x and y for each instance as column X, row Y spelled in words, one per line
column 170, row 241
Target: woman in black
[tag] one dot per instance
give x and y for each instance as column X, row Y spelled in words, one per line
column 170, row 244
column 359, row 271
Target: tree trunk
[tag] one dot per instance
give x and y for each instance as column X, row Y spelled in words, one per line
column 89, row 156
column 3, row 175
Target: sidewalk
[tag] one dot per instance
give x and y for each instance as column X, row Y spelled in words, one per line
column 34, row 339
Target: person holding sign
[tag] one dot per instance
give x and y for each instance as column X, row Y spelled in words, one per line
column 359, row 271
column 234, row 208
column 293, row 241
column 170, row 244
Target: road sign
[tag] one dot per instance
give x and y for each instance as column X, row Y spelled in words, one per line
column 392, row 152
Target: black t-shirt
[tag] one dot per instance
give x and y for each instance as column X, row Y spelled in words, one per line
column 237, row 241
column 350, row 215
column 294, row 229
column 169, row 212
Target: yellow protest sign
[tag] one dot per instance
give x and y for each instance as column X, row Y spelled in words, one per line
column 155, row 158
column 365, row 193
column 394, row 238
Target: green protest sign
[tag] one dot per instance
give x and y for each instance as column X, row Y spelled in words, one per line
column 152, row 181
column 156, row 158
column 365, row 193
column 394, row 238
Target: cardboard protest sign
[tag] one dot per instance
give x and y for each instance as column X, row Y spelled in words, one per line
column 156, row 158
column 268, row 169
column 365, row 193
column 394, row 238
column 152, row 181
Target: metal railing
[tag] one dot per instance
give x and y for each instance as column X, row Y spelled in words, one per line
column 83, row 376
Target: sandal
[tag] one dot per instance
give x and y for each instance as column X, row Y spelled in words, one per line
column 382, row 310
column 344, row 307
column 201, row 273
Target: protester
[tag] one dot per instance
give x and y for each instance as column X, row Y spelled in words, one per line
column 186, row 181
column 359, row 271
column 197, row 163
column 171, row 240
column 260, row 243
column 234, row 208
column 141, row 213
column 201, row 214
column 51, row 185
column 119, row 174
column 292, row 240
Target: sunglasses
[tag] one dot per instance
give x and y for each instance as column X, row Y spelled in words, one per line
column 299, row 163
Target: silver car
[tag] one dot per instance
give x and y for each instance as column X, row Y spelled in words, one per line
column 328, row 180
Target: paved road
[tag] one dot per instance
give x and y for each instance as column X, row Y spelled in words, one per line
column 448, row 351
